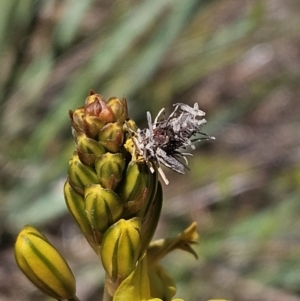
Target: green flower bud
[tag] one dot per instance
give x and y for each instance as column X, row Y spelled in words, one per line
column 77, row 119
column 109, row 168
column 43, row 265
column 150, row 218
column 80, row 175
column 88, row 149
column 111, row 136
column 76, row 206
column 136, row 187
column 93, row 125
column 119, row 108
column 120, row 248
column 103, row 206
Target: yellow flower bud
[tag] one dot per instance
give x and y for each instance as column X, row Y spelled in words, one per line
column 109, row 168
column 80, row 175
column 88, row 149
column 111, row 136
column 77, row 119
column 150, row 218
column 119, row 108
column 120, row 248
column 93, row 125
column 76, row 206
column 137, row 187
column 103, row 206
column 43, row 265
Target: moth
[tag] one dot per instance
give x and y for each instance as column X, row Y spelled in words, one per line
column 165, row 138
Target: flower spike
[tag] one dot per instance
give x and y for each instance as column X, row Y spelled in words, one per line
column 114, row 195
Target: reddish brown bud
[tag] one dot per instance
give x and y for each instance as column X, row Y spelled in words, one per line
column 93, row 108
column 93, row 96
column 96, row 106
column 97, row 117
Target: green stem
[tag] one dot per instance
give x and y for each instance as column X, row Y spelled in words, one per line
column 75, row 298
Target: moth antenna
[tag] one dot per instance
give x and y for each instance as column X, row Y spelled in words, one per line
column 149, row 119
column 157, row 116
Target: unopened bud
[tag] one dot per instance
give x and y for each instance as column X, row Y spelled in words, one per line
column 80, row 175
column 120, row 248
column 93, row 125
column 77, row 119
column 103, row 207
column 92, row 97
column 119, row 108
column 76, row 206
column 111, row 136
column 88, row 149
column 109, row 168
column 150, row 217
column 43, row 265
column 136, row 187
column 92, row 117
column 95, row 105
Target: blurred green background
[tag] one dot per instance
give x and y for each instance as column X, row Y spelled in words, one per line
column 240, row 60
